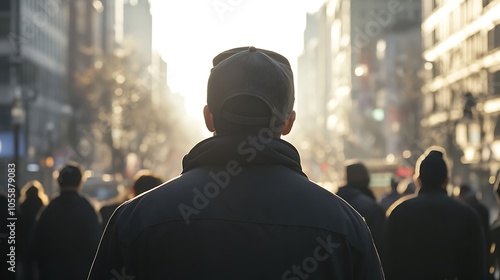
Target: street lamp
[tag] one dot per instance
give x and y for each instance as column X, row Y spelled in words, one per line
column 18, row 118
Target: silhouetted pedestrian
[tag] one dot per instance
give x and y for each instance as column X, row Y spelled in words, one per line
column 495, row 231
column 67, row 232
column 144, row 180
column 469, row 196
column 391, row 197
column 32, row 200
column 242, row 208
column 358, row 194
column 431, row 235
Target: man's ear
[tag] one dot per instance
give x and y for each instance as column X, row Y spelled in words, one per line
column 209, row 119
column 288, row 124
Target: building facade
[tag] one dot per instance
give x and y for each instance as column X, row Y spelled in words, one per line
column 33, row 71
column 462, row 85
column 359, row 82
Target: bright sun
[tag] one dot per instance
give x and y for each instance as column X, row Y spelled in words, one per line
column 189, row 35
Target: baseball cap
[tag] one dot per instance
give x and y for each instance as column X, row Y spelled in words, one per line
column 250, row 72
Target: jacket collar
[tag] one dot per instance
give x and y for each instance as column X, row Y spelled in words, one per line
column 429, row 189
column 247, row 150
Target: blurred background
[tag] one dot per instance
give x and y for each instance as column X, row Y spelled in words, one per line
column 119, row 85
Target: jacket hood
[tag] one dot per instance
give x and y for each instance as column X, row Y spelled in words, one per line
column 247, row 150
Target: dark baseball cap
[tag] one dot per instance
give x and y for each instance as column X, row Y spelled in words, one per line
column 250, row 72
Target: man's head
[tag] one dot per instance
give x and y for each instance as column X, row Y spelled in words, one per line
column 70, row 176
column 144, row 181
column 357, row 175
column 250, row 89
column 432, row 170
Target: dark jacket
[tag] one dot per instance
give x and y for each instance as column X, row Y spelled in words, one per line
column 106, row 211
column 242, row 209
column 389, row 199
column 66, row 237
column 370, row 210
column 495, row 239
column 29, row 210
column 433, row 236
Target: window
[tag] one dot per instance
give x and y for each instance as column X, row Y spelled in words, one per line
column 494, row 38
column 494, row 83
column 5, row 6
column 4, row 70
column 28, row 73
column 4, row 17
column 4, row 24
column 496, row 42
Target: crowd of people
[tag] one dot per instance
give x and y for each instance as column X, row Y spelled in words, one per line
column 427, row 234
column 243, row 209
column 58, row 240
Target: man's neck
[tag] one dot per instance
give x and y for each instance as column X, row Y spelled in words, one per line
column 70, row 189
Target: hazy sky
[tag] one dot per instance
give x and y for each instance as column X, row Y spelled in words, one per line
column 190, row 33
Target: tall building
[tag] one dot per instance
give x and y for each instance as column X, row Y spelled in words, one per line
column 372, row 35
column 95, row 31
column 33, row 75
column 111, row 64
column 137, row 29
column 462, row 84
column 317, row 135
column 358, row 80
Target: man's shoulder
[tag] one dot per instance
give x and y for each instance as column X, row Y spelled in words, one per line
column 187, row 187
column 360, row 201
column 403, row 204
column 295, row 204
column 413, row 203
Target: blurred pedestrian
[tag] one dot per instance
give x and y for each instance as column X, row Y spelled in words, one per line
column 406, row 186
column 242, row 208
column 33, row 199
column 495, row 231
column 108, row 207
column 67, row 232
column 144, row 180
column 431, row 235
column 358, row 194
column 391, row 197
column 469, row 196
